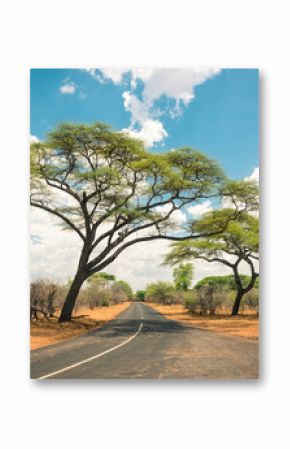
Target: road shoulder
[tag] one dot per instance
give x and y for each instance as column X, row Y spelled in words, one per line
column 245, row 326
column 46, row 333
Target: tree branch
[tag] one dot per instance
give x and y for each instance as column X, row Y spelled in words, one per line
column 59, row 215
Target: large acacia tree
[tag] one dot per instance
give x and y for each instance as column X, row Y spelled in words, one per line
column 112, row 193
column 238, row 243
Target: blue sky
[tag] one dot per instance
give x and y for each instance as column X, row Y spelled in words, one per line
column 221, row 119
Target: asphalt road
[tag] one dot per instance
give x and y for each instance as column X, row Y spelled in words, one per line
column 142, row 343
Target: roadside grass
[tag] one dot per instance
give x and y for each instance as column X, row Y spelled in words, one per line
column 246, row 324
column 44, row 332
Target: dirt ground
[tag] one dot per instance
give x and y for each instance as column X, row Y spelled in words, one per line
column 43, row 332
column 244, row 325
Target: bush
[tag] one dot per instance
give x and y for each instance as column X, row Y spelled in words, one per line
column 42, row 299
column 191, row 302
column 251, row 299
column 205, row 299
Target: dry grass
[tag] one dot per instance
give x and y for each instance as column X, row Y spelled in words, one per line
column 244, row 325
column 43, row 332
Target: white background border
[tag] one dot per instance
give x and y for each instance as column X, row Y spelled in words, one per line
column 137, row 413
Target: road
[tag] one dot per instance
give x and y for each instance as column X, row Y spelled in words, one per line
column 142, row 343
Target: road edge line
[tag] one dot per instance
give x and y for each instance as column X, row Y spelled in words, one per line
column 46, row 376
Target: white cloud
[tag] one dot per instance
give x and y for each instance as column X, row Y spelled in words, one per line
column 56, row 253
column 200, row 209
column 142, row 126
column 254, row 176
column 177, row 216
column 177, row 85
column 151, row 132
column 114, row 74
column 34, row 139
column 68, row 87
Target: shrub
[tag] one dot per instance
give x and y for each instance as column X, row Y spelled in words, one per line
column 191, row 301
column 42, row 299
column 251, row 299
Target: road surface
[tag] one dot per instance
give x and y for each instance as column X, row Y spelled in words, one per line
column 142, row 343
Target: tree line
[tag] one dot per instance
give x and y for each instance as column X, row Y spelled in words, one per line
column 102, row 289
column 211, row 294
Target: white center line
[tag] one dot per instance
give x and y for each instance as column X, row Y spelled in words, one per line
column 93, row 357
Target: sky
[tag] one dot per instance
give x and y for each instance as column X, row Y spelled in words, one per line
column 213, row 110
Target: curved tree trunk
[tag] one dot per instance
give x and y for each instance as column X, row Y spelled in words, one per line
column 237, row 303
column 70, row 300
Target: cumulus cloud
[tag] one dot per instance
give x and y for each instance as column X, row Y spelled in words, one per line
column 199, row 209
column 54, row 252
column 114, row 74
column 177, row 216
column 142, row 126
column 150, row 131
column 177, row 85
column 68, row 87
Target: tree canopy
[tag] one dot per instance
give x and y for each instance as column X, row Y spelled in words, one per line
column 227, row 281
column 104, row 186
column 182, row 275
column 238, row 242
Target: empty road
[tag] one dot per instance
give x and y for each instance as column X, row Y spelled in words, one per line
column 142, row 343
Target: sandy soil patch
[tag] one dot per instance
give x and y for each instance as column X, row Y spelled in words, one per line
column 43, row 332
column 244, row 325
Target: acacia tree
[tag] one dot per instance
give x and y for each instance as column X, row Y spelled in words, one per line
column 112, row 193
column 240, row 241
column 182, row 275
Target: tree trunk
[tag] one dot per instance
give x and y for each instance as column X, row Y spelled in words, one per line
column 70, row 300
column 238, row 298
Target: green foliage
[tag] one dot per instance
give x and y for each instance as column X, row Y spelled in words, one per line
column 101, row 276
column 241, row 195
column 223, row 232
column 228, row 282
column 162, row 292
column 140, row 295
column 116, row 171
column 182, row 275
column 191, row 301
column 124, row 288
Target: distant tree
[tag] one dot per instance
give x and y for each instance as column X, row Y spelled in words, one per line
column 106, row 187
column 140, row 295
column 124, row 289
column 162, row 292
column 238, row 243
column 182, row 275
